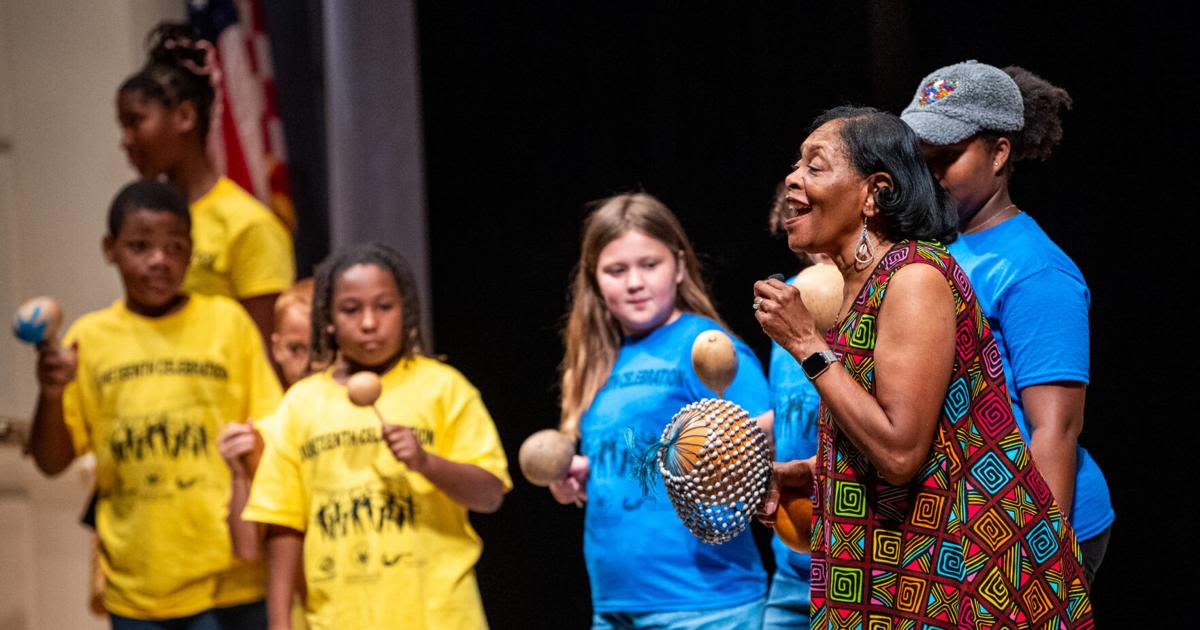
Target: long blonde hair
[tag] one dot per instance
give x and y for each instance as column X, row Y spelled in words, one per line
column 592, row 336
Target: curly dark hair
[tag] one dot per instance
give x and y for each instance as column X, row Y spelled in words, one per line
column 146, row 194
column 1044, row 104
column 324, row 339
column 177, row 70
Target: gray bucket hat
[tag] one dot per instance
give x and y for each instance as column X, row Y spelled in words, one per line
column 958, row 101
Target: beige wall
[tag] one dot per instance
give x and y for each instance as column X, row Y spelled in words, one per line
column 60, row 64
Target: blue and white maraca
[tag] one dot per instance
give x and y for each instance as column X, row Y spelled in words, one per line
column 37, row 320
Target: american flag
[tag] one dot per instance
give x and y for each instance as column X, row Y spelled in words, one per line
column 246, row 137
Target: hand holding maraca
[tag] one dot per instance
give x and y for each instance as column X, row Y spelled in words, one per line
column 572, row 486
column 55, row 367
column 363, row 388
column 405, row 446
column 241, row 445
column 797, row 316
column 787, row 507
column 37, row 322
column 548, row 459
column 784, row 317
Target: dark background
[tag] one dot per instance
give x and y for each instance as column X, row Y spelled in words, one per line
column 531, row 109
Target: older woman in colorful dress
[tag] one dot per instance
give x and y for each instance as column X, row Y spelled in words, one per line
column 927, row 507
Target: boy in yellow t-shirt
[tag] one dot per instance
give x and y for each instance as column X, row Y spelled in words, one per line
column 147, row 384
column 378, row 509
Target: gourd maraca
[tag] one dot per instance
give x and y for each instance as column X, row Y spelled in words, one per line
column 821, row 289
column 714, row 360
column 793, row 521
column 709, row 436
column 37, row 320
column 546, row 456
column 716, row 464
column 363, row 389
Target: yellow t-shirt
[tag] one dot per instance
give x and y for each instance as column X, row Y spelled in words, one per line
column 268, row 427
column 239, row 249
column 150, row 397
column 383, row 547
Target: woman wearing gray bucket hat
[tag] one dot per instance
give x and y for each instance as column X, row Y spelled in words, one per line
column 975, row 121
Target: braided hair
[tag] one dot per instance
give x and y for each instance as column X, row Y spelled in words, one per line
column 324, row 337
column 179, row 69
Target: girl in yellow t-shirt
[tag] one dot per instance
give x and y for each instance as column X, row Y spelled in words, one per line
column 240, row 249
column 377, row 510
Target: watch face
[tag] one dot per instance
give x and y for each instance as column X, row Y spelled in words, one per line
column 817, row 362
column 814, row 364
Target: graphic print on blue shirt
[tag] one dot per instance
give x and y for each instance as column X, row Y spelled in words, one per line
column 795, row 401
column 1020, row 277
column 639, row 555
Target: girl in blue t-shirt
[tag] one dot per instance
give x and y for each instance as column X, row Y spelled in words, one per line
column 975, row 121
column 637, row 304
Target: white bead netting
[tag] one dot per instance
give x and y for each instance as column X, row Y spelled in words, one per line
column 716, row 464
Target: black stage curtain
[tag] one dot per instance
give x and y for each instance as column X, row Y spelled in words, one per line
column 529, row 110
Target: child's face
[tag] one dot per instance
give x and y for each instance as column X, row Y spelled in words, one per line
column 148, row 136
column 638, row 275
column 290, row 343
column 368, row 315
column 151, row 252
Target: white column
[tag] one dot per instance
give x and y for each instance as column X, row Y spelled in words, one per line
column 60, row 64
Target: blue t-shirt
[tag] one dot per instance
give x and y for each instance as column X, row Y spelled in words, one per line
column 795, row 402
column 1037, row 303
column 640, row 557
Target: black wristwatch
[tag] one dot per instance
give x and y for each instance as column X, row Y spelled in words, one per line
column 817, row 362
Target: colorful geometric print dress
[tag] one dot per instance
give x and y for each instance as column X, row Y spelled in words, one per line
column 975, row 539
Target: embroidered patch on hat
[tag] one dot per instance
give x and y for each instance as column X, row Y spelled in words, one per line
column 936, row 90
